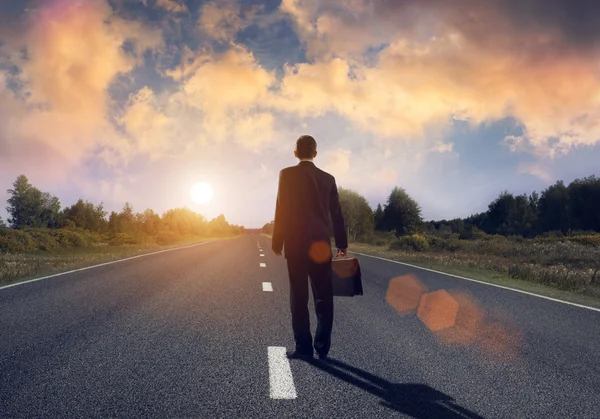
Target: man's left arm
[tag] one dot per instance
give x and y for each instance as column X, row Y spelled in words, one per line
column 337, row 218
column 278, row 225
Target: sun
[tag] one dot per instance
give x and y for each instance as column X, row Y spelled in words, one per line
column 201, row 193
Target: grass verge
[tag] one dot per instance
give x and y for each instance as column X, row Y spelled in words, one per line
column 17, row 267
column 589, row 296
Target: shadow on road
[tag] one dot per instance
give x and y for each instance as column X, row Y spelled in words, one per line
column 416, row 400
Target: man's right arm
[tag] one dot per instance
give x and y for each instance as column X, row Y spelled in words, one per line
column 278, row 224
column 337, row 218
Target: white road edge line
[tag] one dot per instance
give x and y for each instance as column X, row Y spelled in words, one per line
column 281, row 381
column 267, row 286
column 263, row 265
column 102, row 264
column 480, row 282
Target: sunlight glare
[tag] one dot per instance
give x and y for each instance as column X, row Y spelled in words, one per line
column 201, row 193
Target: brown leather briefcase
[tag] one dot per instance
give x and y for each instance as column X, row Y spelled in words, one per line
column 347, row 278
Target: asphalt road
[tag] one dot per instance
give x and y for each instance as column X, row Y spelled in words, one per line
column 192, row 333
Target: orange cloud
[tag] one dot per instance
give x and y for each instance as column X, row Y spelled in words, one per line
column 442, row 148
column 222, row 98
column 386, row 176
column 337, row 162
column 222, row 19
column 467, row 61
column 74, row 54
column 232, row 90
column 535, row 170
column 172, row 6
column 234, row 80
column 147, row 125
column 438, row 64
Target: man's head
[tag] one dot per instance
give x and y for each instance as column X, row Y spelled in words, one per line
column 306, row 148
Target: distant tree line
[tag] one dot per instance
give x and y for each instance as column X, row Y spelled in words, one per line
column 557, row 210
column 29, row 208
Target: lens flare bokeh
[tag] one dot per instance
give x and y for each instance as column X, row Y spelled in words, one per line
column 404, row 294
column 320, row 252
column 456, row 319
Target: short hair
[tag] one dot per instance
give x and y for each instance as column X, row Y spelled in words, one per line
column 306, row 147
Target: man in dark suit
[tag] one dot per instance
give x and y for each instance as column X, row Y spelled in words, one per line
column 307, row 205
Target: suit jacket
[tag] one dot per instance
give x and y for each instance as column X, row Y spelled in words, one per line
column 307, row 208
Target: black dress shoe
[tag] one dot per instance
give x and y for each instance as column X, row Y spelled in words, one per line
column 299, row 355
column 323, row 357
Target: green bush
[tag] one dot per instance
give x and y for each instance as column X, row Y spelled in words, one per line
column 70, row 238
column 479, row 234
column 466, row 235
column 588, row 240
column 167, row 237
column 415, row 242
column 517, row 238
column 552, row 234
column 446, row 235
column 12, row 241
column 366, row 238
column 380, row 242
column 121, row 239
column 436, row 242
column 452, row 244
column 43, row 238
column 472, row 234
column 583, row 233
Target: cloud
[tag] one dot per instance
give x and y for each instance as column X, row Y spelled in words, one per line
column 221, row 98
column 172, row 6
column 434, row 67
column 442, row 148
column 535, row 169
column 346, row 26
column 74, row 52
column 337, row 162
column 223, row 19
column 437, row 61
column 386, row 176
column 149, row 127
column 232, row 91
column 231, row 81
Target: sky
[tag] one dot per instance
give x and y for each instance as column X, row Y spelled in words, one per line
column 134, row 101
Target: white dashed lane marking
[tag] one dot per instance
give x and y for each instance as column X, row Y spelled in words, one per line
column 263, row 265
column 281, row 381
column 267, row 286
column 262, row 255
